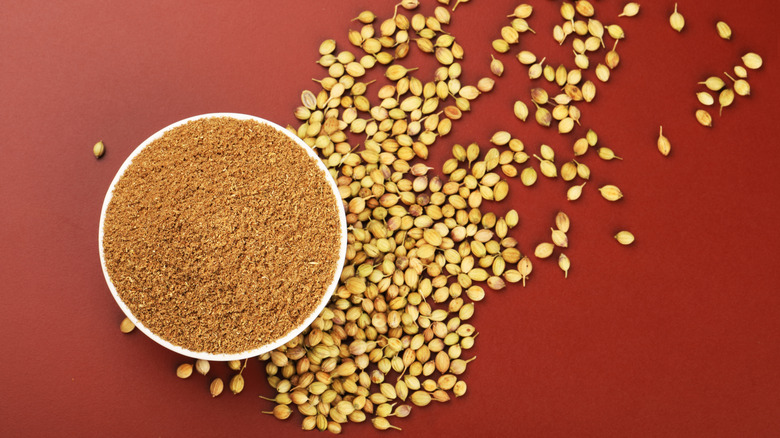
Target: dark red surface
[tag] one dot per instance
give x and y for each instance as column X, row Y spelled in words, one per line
column 677, row 335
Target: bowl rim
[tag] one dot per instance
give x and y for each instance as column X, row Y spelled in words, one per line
column 264, row 348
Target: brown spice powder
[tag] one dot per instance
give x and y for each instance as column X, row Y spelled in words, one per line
column 222, row 236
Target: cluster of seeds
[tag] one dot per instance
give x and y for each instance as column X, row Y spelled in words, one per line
column 589, row 39
column 725, row 93
column 420, row 244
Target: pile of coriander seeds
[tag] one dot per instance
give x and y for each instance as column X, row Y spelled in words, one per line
column 422, row 247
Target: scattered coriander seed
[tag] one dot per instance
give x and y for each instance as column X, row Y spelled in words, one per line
column 714, row 83
column 630, row 10
column 559, row 238
column 202, row 366
column 237, row 384
column 521, row 110
column 705, row 98
column 184, row 371
column 382, row 423
column 664, row 146
column 98, row 149
column 574, row 192
column 562, row 221
column 704, row 118
column 725, row 98
column 216, row 387
column 724, row 31
column 752, row 61
column 676, row 20
column 610, row 192
column 496, row 66
column 624, row 237
column 126, row 326
column 565, row 264
column 544, row 250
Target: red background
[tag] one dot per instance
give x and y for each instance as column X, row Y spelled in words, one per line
column 676, row 335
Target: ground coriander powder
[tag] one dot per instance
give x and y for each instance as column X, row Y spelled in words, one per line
column 222, row 235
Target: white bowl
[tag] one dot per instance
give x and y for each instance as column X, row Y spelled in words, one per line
column 265, row 348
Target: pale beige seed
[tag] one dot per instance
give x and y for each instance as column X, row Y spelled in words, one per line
column 724, row 31
column 184, row 371
column 624, row 237
column 236, row 384
column 583, row 171
column 543, row 116
column 664, row 146
column 607, row 154
column 500, row 46
column 726, row 98
column 528, row 176
column 740, row 71
column 202, row 366
column 588, row 91
column 559, row 238
column 611, row 192
column 522, row 11
column 547, row 167
column 382, row 423
column 602, row 72
column 704, row 118
column 574, row 192
column 544, row 250
column 742, row 87
column 98, row 149
column 500, row 138
column 568, row 171
column 752, row 61
column 524, row 266
column 676, row 20
column 705, row 98
column 714, row 83
column 216, row 387
column 521, row 110
column 365, row 17
column 562, row 221
column 558, row 34
column 565, row 264
column 526, row 57
column 500, row 191
column 592, row 137
column 566, row 125
column 567, row 11
column 580, row 146
column 536, row 70
column 630, row 10
column 126, row 326
column 496, row 66
column 615, row 31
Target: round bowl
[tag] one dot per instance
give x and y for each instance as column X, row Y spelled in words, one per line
column 290, row 335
